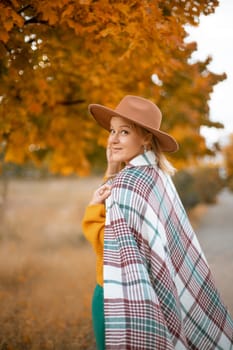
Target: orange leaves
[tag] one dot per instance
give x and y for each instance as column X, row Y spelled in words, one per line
column 70, row 138
column 17, row 148
column 75, row 163
column 228, row 157
column 35, row 108
column 64, row 54
column 8, row 18
column 48, row 10
column 110, row 30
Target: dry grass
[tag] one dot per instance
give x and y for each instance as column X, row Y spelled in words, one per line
column 47, row 270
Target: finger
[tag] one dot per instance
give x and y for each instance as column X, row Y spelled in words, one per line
column 106, row 186
column 104, row 191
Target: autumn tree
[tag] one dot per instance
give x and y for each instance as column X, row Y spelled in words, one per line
column 228, row 158
column 183, row 98
column 58, row 56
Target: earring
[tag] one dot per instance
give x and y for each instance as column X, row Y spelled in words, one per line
column 145, row 149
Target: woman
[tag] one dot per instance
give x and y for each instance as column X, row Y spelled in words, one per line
column 158, row 289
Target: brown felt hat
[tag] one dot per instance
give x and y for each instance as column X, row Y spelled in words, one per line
column 140, row 111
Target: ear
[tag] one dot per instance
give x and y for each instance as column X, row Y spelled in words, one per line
column 148, row 140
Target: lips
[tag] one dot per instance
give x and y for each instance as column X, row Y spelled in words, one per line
column 116, row 149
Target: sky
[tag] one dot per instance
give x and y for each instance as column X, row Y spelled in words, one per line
column 214, row 37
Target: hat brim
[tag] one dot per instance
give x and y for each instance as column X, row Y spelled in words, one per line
column 103, row 117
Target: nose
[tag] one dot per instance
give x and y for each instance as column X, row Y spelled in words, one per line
column 114, row 138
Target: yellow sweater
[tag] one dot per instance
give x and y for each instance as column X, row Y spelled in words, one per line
column 93, row 228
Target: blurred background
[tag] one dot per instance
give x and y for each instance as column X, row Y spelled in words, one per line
column 56, row 58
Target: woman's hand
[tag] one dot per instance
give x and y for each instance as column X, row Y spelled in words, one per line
column 109, row 154
column 113, row 167
column 102, row 193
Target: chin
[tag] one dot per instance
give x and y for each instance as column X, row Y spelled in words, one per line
column 119, row 160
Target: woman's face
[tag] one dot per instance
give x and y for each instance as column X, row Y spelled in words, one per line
column 125, row 140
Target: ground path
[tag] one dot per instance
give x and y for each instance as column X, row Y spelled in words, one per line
column 215, row 233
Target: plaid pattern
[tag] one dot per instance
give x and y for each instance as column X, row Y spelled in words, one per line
column 158, row 289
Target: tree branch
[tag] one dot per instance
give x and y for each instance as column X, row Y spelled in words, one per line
column 24, row 8
column 35, row 21
column 70, row 103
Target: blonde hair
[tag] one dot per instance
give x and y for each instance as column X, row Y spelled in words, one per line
column 162, row 161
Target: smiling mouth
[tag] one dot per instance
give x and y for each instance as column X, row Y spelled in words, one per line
column 116, row 149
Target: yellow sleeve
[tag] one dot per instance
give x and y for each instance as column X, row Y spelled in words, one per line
column 93, row 225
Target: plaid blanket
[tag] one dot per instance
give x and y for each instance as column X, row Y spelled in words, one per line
column 158, row 288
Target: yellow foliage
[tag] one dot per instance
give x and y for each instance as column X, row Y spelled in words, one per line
column 8, row 18
column 4, row 36
column 228, row 157
column 58, row 56
column 35, row 108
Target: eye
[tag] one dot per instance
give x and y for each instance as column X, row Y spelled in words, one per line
column 124, row 132
column 111, row 131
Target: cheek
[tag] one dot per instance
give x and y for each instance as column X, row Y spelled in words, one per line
column 137, row 142
column 135, row 146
